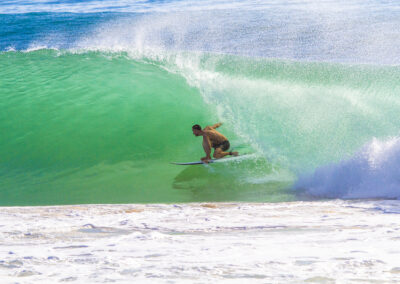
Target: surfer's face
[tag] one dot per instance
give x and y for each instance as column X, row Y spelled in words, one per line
column 196, row 132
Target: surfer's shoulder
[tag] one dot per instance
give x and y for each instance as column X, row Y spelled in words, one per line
column 212, row 127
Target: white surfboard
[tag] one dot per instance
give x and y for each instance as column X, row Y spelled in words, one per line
column 194, row 163
column 211, row 161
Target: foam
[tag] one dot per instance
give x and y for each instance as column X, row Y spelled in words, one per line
column 373, row 172
column 213, row 243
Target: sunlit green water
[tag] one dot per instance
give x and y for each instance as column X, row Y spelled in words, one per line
column 91, row 129
column 103, row 128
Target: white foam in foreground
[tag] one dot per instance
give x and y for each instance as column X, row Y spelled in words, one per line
column 299, row 242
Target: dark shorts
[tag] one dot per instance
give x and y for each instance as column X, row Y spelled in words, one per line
column 224, row 145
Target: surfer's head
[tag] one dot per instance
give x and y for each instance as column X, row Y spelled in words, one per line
column 196, row 130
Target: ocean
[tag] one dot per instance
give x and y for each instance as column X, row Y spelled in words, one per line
column 97, row 98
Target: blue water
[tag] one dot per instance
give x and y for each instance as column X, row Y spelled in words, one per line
column 344, row 31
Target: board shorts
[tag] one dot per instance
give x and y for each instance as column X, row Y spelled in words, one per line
column 223, row 145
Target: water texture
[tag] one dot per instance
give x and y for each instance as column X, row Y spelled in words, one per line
column 98, row 97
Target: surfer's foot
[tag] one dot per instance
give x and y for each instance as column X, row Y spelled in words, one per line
column 234, row 153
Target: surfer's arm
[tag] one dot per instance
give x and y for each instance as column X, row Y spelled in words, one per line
column 216, row 125
column 207, row 148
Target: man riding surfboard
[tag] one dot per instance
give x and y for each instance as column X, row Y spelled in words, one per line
column 212, row 138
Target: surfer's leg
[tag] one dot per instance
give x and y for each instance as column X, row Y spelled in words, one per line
column 218, row 153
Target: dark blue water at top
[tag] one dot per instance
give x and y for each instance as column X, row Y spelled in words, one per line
column 345, row 31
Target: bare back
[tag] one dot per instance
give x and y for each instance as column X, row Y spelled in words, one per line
column 214, row 136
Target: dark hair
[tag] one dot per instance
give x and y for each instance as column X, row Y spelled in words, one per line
column 196, row 126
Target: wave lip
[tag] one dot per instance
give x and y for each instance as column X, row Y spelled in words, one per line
column 373, row 172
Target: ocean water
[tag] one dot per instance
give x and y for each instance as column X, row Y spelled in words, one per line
column 98, row 97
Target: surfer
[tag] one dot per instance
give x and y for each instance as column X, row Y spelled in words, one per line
column 212, row 138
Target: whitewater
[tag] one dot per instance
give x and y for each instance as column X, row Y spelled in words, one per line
column 97, row 98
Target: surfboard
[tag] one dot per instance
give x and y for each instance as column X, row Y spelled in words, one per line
column 210, row 161
column 194, row 163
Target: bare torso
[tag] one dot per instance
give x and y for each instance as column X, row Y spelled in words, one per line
column 212, row 138
column 215, row 137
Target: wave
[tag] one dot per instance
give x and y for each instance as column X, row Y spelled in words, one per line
column 91, row 127
column 103, row 128
column 373, row 172
column 94, row 112
column 299, row 113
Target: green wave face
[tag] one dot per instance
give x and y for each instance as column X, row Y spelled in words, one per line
column 95, row 128
column 103, row 128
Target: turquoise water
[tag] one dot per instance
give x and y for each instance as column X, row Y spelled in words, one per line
column 95, row 106
column 74, row 131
